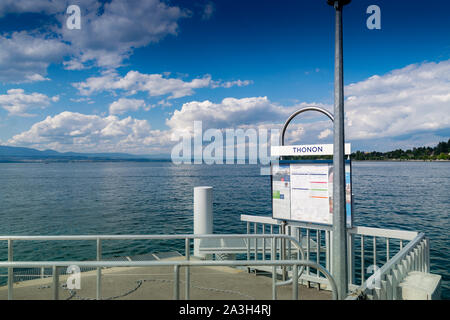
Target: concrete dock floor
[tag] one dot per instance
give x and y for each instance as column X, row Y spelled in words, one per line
column 157, row 283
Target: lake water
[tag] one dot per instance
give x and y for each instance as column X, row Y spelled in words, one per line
column 156, row 198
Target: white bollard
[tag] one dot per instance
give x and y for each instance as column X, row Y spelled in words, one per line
column 203, row 215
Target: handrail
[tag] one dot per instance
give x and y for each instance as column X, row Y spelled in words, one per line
column 145, row 237
column 367, row 231
column 387, row 233
column 259, row 219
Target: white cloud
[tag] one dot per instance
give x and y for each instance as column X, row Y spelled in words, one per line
column 31, row 6
column 325, row 133
column 71, row 131
column 123, row 105
column 229, row 84
column 110, row 31
column 153, row 84
column 232, row 112
column 255, row 112
column 25, row 57
column 17, row 102
column 228, row 113
column 403, row 101
column 110, row 37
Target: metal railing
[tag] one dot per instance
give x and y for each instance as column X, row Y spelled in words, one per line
column 383, row 284
column 298, row 265
column 368, row 249
column 315, row 241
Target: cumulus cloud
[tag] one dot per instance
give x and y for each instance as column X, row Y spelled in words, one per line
column 411, row 99
column 25, row 57
column 71, row 131
column 153, row 84
column 258, row 112
column 110, row 32
column 17, row 102
column 123, row 105
column 228, row 113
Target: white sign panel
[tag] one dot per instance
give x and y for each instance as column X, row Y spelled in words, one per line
column 303, row 191
column 306, row 150
column 309, row 191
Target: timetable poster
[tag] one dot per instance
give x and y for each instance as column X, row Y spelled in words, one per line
column 310, row 193
column 304, row 192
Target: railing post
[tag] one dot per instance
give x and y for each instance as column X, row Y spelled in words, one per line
column 55, row 283
column 255, row 231
column 264, row 242
column 374, row 251
column 274, row 270
column 99, row 270
column 248, row 241
column 387, row 250
column 351, row 258
column 328, row 251
column 295, row 282
column 188, row 273
column 362, row 261
column 283, row 249
column 176, row 286
column 307, row 253
column 10, row 270
column 318, row 254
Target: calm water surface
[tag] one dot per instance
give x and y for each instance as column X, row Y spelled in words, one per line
column 156, row 198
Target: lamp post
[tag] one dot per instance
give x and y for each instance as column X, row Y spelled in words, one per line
column 339, row 261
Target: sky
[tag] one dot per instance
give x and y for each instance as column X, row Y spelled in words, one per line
column 137, row 74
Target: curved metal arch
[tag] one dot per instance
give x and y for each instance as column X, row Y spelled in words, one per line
column 296, row 113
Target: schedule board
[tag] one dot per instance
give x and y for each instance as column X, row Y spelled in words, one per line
column 303, row 191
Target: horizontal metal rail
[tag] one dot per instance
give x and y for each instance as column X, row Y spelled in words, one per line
column 384, row 233
column 143, row 237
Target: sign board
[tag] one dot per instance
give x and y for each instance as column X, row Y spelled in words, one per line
column 303, row 191
column 306, row 150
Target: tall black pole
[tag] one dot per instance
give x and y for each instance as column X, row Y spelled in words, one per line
column 339, row 240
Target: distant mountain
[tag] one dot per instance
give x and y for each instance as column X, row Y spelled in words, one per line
column 20, row 154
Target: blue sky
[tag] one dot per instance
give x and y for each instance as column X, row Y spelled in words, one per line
column 139, row 72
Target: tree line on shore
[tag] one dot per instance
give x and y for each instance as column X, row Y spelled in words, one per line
column 439, row 152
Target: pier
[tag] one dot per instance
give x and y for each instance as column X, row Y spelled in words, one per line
column 272, row 261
